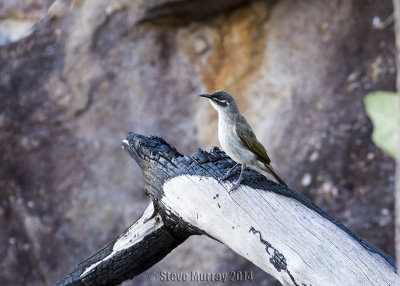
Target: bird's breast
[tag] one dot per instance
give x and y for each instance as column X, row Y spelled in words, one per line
column 226, row 134
column 230, row 142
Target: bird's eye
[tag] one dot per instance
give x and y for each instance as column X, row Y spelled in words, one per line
column 222, row 102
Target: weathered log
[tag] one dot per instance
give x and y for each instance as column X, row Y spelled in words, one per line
column 276, row 228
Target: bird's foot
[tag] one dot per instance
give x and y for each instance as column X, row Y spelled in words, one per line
column 234, row 187
column 228, row 174
column 224, row 177
column 236, row 184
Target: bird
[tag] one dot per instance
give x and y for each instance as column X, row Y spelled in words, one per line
column 237, row 139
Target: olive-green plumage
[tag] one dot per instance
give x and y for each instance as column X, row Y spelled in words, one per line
column 249, row 139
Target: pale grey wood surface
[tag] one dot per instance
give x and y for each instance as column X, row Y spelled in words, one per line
column 278, row 234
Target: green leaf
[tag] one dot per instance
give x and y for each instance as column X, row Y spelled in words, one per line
column 383, row 108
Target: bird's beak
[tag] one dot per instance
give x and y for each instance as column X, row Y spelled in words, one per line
column 206, row 95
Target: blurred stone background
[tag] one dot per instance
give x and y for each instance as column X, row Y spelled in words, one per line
column 93, row 70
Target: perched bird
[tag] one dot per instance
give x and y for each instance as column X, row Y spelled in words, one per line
column 237, row 138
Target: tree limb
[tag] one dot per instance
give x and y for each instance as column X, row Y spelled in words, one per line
column 274, row 227
column 138, row 248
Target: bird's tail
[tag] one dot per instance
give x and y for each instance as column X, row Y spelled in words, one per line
column 268, row 168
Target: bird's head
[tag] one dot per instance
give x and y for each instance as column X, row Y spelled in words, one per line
column 221, row 100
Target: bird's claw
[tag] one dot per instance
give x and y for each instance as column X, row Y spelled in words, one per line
column 223, row 178
column 234, row 187
column 236, row 184
column 228, row 174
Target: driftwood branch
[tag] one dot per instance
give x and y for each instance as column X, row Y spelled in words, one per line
column 274, row 227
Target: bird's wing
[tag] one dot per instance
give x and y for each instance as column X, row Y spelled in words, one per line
column 249, row 139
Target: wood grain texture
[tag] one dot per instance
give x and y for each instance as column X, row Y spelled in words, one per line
column 279, row 234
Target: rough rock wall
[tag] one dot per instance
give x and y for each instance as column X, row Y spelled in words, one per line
column 95, row 69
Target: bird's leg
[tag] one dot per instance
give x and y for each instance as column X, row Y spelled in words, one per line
column 239, row 180
column 227, row 175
